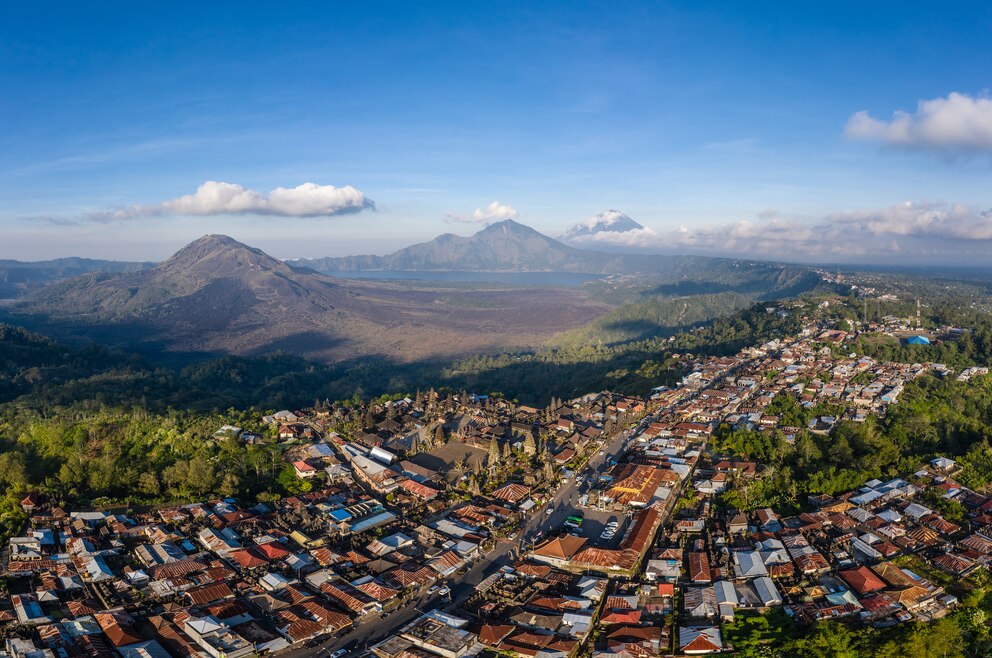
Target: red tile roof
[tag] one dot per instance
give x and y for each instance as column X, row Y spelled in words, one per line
column 862, row 580
column 513, row 492
column 209, row 593
column 491, row 635
column 118, row 627
column 562, row 547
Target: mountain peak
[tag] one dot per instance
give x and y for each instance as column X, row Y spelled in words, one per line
column 213, row 241
column 507, row 226
column 216, row 253
column 610, row 221
column 217, row 238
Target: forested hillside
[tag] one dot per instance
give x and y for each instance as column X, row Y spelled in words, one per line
column 659, row 316
column 934, row 416
column 42, row 373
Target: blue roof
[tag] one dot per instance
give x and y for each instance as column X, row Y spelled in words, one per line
column 340, row 515
column 918, row 340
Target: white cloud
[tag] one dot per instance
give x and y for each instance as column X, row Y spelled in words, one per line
column 312, row 200
column 957, row 123
column 905, row 232
column 214, row 198
column 495, row 212
column 218, row 198
column 638, row 238
column 606, row 218
column 929, row 220
column 931, row 231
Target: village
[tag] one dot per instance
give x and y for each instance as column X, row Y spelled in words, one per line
column 453, row 524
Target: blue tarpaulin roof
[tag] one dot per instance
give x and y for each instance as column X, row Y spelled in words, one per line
column 340, row 515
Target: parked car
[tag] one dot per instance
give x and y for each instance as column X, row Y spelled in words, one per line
column 444, row 591
column 433, row 589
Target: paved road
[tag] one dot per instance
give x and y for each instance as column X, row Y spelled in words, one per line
column 373, row 629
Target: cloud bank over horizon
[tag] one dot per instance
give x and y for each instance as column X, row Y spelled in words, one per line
column 914, row 231
column 219, row 198
column 957, row 123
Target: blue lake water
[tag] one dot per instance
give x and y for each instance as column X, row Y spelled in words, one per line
column 566, row 279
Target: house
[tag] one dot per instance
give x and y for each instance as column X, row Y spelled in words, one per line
column 304, row 470
column 637, row 640
column 862, row 580
column 699, row 601
column 30, row 502
column 737, row 524
column 559, row 550
column 439, row 637
column 512, row 493
column 943, row 463
column 664, row 570
column 696, row 641
column 749, row 564
column 227, row 431
column 280, row 417
column 215, row 638
column 635, row 485
column 699, row 567
column 768, row 520
column 726, row 599
column 767, row 591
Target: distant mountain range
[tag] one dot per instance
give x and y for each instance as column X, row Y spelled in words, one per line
column 509, row 246
column 611, row 221
column 505, row 246
column 217, row 295
column 18, row 277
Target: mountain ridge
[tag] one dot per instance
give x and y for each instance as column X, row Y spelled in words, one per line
column 502, row 246
column 20, row 277
column 217, row 295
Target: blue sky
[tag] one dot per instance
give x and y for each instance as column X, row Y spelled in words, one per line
column 690, row 117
